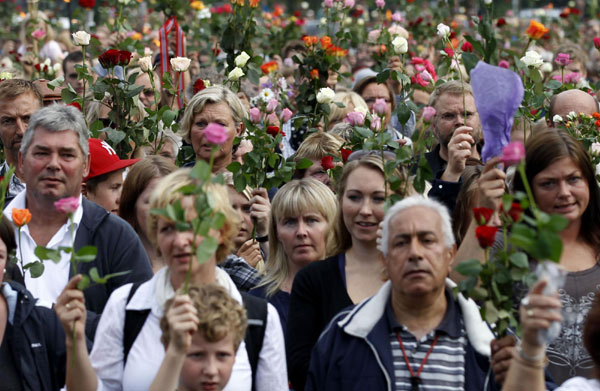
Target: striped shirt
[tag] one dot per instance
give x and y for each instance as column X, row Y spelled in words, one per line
column 445, row 366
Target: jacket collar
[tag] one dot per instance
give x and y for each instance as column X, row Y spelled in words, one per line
column 363, row 318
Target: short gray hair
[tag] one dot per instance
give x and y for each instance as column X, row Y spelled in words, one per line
column 57, row 118
column 412, row 202
column 212, row 94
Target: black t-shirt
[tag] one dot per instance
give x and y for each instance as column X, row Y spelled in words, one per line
column 11, row 380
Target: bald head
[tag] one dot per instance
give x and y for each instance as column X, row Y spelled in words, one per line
column 573, row 100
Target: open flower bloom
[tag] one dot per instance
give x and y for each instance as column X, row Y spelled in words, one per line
column 67, row 205
column 536, row 30
column 21, row 216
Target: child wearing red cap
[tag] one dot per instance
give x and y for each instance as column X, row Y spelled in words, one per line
column 104, row 183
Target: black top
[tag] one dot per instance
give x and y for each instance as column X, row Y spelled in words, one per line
column 11, row 379
column 318, row 294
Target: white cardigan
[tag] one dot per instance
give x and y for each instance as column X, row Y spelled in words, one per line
column 147, row 352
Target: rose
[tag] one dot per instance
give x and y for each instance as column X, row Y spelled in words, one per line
column 536, row 30
column 21, row 216
column 113, row 57
column 557, row 118
column 67, row 205
column 501, row 22
column 597, row 43
column 486, row 235
column 38, row 34
column 400, row 45
column 81, row 38
column 443, row 30
column 373, row 35
column 380, row 106
column 180, row 64
column 145, row 64
column 272, row 119
column 349, row 3
column 563, row 59
column 216, row 134
column 286, row 114
column 513, row 153
column 428, row 113
column 397, row 17
column 532, row 59
column 503, row 64
column 124, row 57
column 254, row 115
column 380, row 3
column 355, row 118
column 376, row 123
column 87, row 3
column 328, row 3
column 327, row 162
column 272, row 105
column 395, row 30
column 467, row 47
column 325, row 95
column 274, row 131
column 235, row 73
column 269, row 67
column 515, row 212
column 482, row 215
column 242, row 59
column 345, row 154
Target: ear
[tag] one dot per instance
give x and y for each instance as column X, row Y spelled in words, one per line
column 84, row 189
column 240, row 129
column 451, row 253
column 86, row 165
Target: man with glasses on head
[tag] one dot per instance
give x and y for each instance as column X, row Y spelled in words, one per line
column 19, row 99
column 457, row 130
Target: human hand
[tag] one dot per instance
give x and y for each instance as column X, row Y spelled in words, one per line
column 70, row 309
column 491, row 185
column 395, row 64
column 503, row 350
column 183, row 323
column 260, row 208
column 460, row 148
column 250, row 251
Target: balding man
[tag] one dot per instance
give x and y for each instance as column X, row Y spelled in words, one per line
column 568, row 101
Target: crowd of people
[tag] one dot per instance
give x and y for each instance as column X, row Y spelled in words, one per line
column 124, row 268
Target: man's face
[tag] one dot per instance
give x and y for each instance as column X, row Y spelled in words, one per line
column 418, row 260
column 71, row 77
column 14, row 117
column 450, row 114
column 53, row 166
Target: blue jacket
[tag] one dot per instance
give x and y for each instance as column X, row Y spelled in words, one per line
column 354, row 351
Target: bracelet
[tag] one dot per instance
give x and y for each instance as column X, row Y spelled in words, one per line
column 262, row 239
column 532, row 359
column 540, row 364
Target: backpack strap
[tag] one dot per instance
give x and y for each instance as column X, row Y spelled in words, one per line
column 134, row 321
column 256, row 310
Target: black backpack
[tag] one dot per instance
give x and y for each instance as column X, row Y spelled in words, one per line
column 256, row 310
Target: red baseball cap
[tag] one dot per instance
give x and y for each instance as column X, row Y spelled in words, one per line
column 104, row 159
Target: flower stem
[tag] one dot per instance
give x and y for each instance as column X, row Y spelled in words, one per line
column 521, row 169
column 83, row 93
column 21, row 253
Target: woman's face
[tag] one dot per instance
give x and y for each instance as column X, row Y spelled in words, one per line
column 303, row 237
column 221, row 114
column 147, row 94
column 362, row 203
column 561, row 188
column 241, row 204
column 142, row 205
column 374, row 91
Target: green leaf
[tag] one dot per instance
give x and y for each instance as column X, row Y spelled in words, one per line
column 553, row 84
column 86, row 254
column 364, row 132
column 206, row 249
column 557, row 223
column 201, row 171
column 383, row 76
column 304, row 163
column 470, row 60
column 218, row 220
column 472, row 267
column 168, row 117
column 519, row 259
column 234, row 167
column 84, row 283
column 67, row 95
column 491, row 313
column 44, row 253
column 36, row 268
column 239, row 182
column 102, row 280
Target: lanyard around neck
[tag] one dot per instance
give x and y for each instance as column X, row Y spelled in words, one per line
column 415, row 380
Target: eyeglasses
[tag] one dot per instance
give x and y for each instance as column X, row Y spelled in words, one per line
column 357, row 155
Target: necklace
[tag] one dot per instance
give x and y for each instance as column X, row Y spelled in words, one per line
column 415, row 380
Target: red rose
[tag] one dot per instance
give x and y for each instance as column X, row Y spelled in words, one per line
column 327, row 162
column 452, row 35
column 109, row 59
column 597, row 43
column 76, row 105
column 449, row 51
column 486, row 235
column 199, row 86
column 38, row 67
column 345, row 154
column 575, row 11
column 274, row 131
column 515, row 212
column 87, row 3
column 466, row 47
column 124, row 57
column 482, row 215
column 227, row 8
column 501, row 22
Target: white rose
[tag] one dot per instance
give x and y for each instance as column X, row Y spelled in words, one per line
column 487, row 2
column 235, row 74
column 443, row 30
column 125, row 2
column 180, row 64
column 204, row 13
column 595, row 148
column 325, row 95
column 400, row 45
column 572, row 115
column 145, row 63
column 81, row 38
column 242, row 59
column 546, row 67
column 556, row 119
column 532, row 59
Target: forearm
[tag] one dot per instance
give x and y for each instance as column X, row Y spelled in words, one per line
column 167, row 377
column 524, row 375
column 80, row 373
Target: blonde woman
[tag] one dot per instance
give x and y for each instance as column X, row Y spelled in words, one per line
column 302, row 229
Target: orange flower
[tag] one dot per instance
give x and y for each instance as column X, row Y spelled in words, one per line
column 536, row 30
column 325, row 42
column 21, row 217
column 596, row 115
column 268, row 67
column 254, row 3
column 310, row 40
column 314, row 73
column 388, row 15
column 597, row 123
column 382, row 49
column 277, row 10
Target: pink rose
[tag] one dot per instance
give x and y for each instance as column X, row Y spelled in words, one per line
column 373, row 35
column 425, row 75
column 503, row 64
column 513, row 153
column 380, row 106
column 272, row 119
column 216, row 134
column 563, row 59
column 67, row 205
column 355, row 118
column 272, row 105
column 255, row 115
column 397, row 17
column 380, row 3
column 286, row 114
column 376, row 123
column 328, row 3
column 428, row 113
column 349, row 3
column 38, row 34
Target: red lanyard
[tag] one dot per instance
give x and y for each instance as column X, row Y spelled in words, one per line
column 415, row 380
